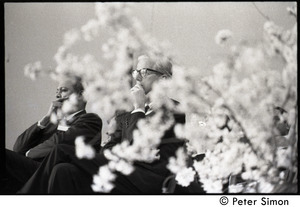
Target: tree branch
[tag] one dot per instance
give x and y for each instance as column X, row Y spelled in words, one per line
column 260, row 12
column 233, row 116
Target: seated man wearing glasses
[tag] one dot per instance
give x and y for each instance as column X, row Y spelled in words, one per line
column 63, row 173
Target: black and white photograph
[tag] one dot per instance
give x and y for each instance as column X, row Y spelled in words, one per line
column 151, row 98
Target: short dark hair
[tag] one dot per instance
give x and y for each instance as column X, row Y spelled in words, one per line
column 78, row 87
column 75, row 80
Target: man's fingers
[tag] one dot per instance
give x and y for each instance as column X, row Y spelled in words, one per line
column 56, row 104
column 61, row 99
column 137, row 87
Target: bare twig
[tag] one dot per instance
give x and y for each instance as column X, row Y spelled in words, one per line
column 260, row 12
column 287, row 97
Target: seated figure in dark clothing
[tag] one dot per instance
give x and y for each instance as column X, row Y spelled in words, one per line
column 63, row 173
column 37, row 141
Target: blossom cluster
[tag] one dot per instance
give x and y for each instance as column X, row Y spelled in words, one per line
column 83, row 150
column 244, row 88
column 32, row 70
column 103, row 181
column 122, row 156
column 223, row 36
column 184, row 175
column 229, row 113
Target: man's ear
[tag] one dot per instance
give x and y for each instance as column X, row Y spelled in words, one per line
column 80, row 93
column 80, row 97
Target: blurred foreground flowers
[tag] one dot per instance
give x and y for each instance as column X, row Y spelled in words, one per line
column 229, row 113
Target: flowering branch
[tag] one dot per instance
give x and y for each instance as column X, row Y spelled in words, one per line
column 233, row 116
column 261, row 86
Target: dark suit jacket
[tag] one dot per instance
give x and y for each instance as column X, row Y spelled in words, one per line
column 41, row 141
column 147, row 178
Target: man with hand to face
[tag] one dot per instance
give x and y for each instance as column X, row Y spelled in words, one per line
column 63, row 92
column 38, row 140
column 146, row 73
column 55, row 177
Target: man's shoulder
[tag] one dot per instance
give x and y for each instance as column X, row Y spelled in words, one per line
column 122, row 115
column 89, row 116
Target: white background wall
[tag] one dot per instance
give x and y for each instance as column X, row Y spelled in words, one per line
column 34, row 31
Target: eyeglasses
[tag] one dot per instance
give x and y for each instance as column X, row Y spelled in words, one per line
column 61, row 89
column 145, row 71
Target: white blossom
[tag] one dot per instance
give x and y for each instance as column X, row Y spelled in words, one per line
column 90, row 30
column 265, row 186
column 222, row 36
column 83, row 150
column 70, row 104
column 103, row 181
column 109, row 155
column 237, row 188
column 53, row 118
column 251, row 187
column 71, row 37
column 177, row 164
column 32, row 70
column 124, row 167
column 284, row 157
column 185, row 176
column 212, row 186
column 244, row 87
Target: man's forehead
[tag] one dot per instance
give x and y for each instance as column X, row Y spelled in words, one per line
column 65, row 84
column 145, row 63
